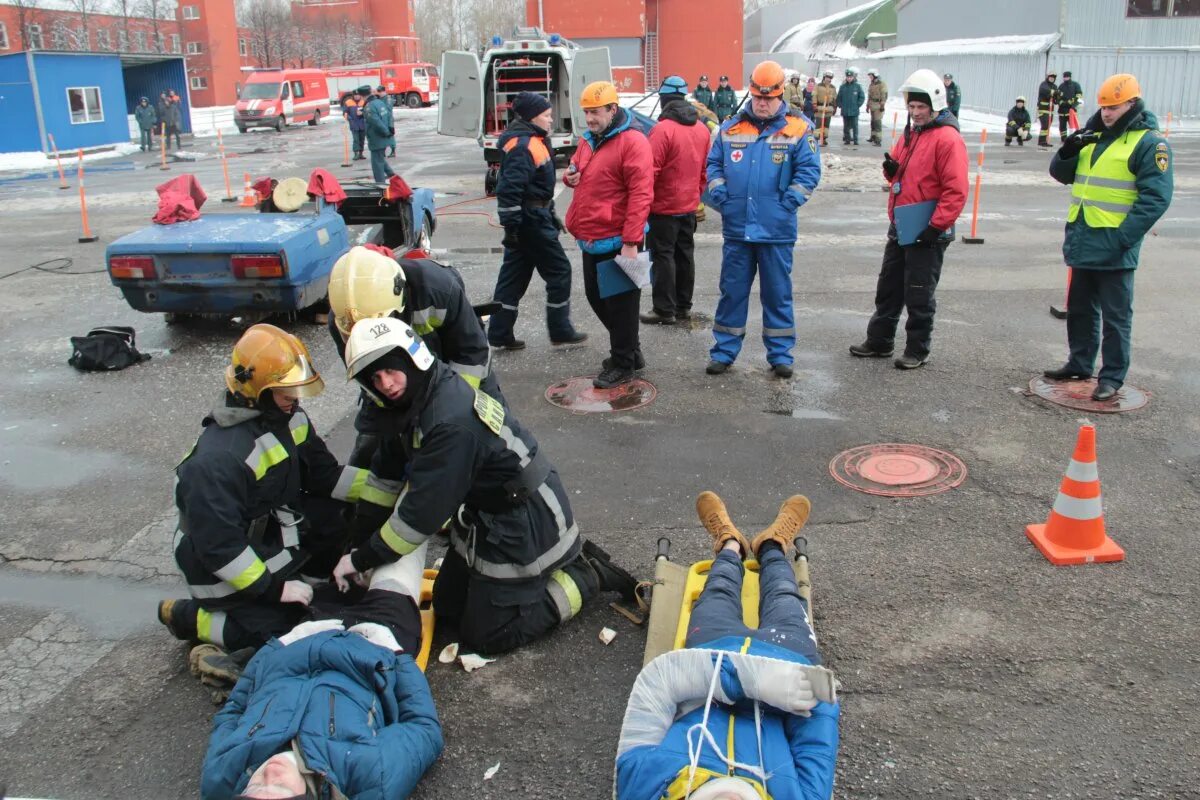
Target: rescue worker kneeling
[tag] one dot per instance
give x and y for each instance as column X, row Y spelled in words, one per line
column 335, row 708
column 739, row 713
column 260, row 498
column 517, row 566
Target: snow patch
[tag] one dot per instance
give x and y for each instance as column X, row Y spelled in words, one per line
column 26, row 161
column 985, row 45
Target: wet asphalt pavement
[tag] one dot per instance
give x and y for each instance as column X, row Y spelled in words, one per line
column 970, row 666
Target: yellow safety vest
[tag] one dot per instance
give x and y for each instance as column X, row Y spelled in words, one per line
column 1106, row 189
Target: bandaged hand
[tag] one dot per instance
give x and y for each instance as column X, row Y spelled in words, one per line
column 296, row 592
column 779, row 684
column 344, row 572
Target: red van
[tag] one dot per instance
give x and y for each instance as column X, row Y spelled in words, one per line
column 276, row 97
column 413, row 85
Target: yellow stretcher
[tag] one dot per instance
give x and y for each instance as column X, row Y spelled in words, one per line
column 677, row 587
column 427, row 620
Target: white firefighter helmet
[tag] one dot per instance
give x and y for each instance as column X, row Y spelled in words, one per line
column 827, row 73
column 852, row 71
column 364, row 284
column 372, row 339
column 874, row 73
column 926, row 81
column 1021, row 99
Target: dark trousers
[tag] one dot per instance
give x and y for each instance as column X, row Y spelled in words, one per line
column 672, row 248
column 1064, row 121
column 618, row 313
column 147, row 139
column 395, row 611
column 381, row 170
column 1044, row 126
column 850, row 129
column 539, row 251
column 1014, row 131
column 173, row 130
column 1100, row 301
column 876, row 126
column 360, row 141
column 907, row 280
column 783, row 615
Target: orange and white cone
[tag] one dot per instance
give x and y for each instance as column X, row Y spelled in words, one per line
column 249, row 196
column 1074, row 532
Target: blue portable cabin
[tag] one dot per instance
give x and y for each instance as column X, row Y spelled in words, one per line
column 81, row 99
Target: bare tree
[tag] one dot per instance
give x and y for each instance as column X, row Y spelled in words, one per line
column 27, row 14
column 344, row 41
column 269, row 22
column 156, row 11
column 464, row 24
column 81, row 38
column 125, row 9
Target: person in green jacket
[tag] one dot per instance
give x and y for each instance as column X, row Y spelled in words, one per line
column 146, row 118
column 704, row 93
column 850, row 98
column 380, row 136
column 725, row 101
column 1121, row 178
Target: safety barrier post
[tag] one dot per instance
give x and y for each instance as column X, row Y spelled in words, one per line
column 162, row 147
column 1167, row 132
column 895, row 121
column 87, row 235
column 62, row 177
column 229, row 195
column 345, row 148
column 973, row 239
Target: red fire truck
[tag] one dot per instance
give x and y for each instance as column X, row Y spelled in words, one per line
column 413, row 85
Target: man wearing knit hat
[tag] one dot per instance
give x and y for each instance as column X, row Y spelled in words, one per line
column 525, row 203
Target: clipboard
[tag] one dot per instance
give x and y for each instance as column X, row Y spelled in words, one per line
column 911, row 220
column 611, row 279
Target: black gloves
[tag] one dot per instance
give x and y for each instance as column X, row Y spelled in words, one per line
column 890, row 166
column 1076, row 142
column 929, row 236
column 511, row 239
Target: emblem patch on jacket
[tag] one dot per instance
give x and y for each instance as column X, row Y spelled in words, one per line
column 1161, row 157
column 736, row 156
column 489, row 411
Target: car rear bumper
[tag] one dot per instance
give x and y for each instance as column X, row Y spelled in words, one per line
column 199, row 298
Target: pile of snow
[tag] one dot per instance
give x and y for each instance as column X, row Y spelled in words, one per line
column 32, row 161
column 828, row 37
column 986, row 45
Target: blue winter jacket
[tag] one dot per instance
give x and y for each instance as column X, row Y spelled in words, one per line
column 380, row 124
column 760, row 173
column 362, row 716
column 798, row 753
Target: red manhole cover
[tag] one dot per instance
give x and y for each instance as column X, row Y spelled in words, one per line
column 1078, row 395
column 578, row 395
column 898, row 470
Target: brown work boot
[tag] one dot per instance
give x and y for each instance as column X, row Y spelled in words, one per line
column 792, row 516
column 712, row 513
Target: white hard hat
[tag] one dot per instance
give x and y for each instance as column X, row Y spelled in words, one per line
column 364, row 283
column 874, row 72
column 926, row 81
column 372, row 339
column 1021, row 98
column 852, row 71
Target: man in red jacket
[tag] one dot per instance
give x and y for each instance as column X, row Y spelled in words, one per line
column 927, row 165
column 612, row 174
column 679, row 143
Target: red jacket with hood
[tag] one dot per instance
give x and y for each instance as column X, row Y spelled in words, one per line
column 612, row 200
column 679, row 143
column 933, row 166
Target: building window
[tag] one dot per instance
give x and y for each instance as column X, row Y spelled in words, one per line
column 175, row 43
column 199, row 83
column 84, row 103
column 1162, row 8
column 122, row 40
column 58, row 36
column 243, row 50
column 195, row 48
column 3, row 36
column 139, row 41
column 103, row 39
column 191, row 12
column 33, row 37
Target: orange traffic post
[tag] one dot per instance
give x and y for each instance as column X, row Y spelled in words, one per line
column 250, row 197
column 345, row 148
column 1060, row 312
column 1167, row 132
column 1074, row 532
column 62, row 176
column 162, row 147
column 229, row 197
column 974, row 238
column 87, row 235
column 895, row 121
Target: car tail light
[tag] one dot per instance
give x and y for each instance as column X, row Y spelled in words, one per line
column 132, row 268
column 258, row 266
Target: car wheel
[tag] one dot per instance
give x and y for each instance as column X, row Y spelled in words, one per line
column 413, row 100
column 280, row 123
column 490, row 180
column 316, row 119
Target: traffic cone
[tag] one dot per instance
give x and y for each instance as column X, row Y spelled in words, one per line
column 249, row 197
column 1074, row 532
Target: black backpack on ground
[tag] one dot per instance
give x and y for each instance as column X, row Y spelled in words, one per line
column 104, row 349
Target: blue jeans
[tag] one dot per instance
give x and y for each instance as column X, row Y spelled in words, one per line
column 380, row 168
column 783, row 615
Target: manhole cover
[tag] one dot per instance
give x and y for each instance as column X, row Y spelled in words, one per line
column 578, row 395
column 898, row 470
column 1078, row 395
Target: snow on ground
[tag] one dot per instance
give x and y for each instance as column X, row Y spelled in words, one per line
column 28, row 161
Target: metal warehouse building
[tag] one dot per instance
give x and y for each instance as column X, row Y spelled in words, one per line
column 83, row 100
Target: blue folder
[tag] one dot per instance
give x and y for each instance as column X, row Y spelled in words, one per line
column 612, row 280
column 911, row 220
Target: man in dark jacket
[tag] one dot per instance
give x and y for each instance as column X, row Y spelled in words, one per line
column 525, row 205
column 725, row 100
column 850, row 98
column 1120, row 172
column 260, row 499
column 1047, row 99
column 382, row 93
column 380, row 136
column 1070, row 98
column 517, row 566
column 679, row 144
column 336, row 707
column 928, row 163
column 877, row 93
column 172, row 118
column 146, row 118
column 1018, row 125
column 354, row 110
column 953, row 95
column 704, row 93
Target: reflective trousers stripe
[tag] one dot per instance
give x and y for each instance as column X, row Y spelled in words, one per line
column 777, row 331
column 243, row 570
column 729, row 330
column 1083, row 471
column 508, row 572
column 1074, row 508
column 563, row 304
column 210, row 627
column 566, row 595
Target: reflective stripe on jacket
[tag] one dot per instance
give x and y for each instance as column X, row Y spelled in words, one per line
column 1105, row 188
column 526, row 171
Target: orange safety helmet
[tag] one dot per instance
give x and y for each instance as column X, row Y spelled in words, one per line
column 767, row 80
column 1118, row 89
column 267, row 357
column 599, row 95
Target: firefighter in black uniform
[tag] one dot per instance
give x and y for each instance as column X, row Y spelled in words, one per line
column 1047, row 100
column 260, row 499
column 525, row 204
column 1017, row 126
column 1070, row 98
column 428, row 296
column 517, row 566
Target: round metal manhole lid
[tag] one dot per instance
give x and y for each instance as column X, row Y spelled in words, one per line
column 898, row 470
column 1078, row 395
column 580, row 397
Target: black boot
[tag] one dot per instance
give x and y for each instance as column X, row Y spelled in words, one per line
column 612, row 578
column 1065, row 373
